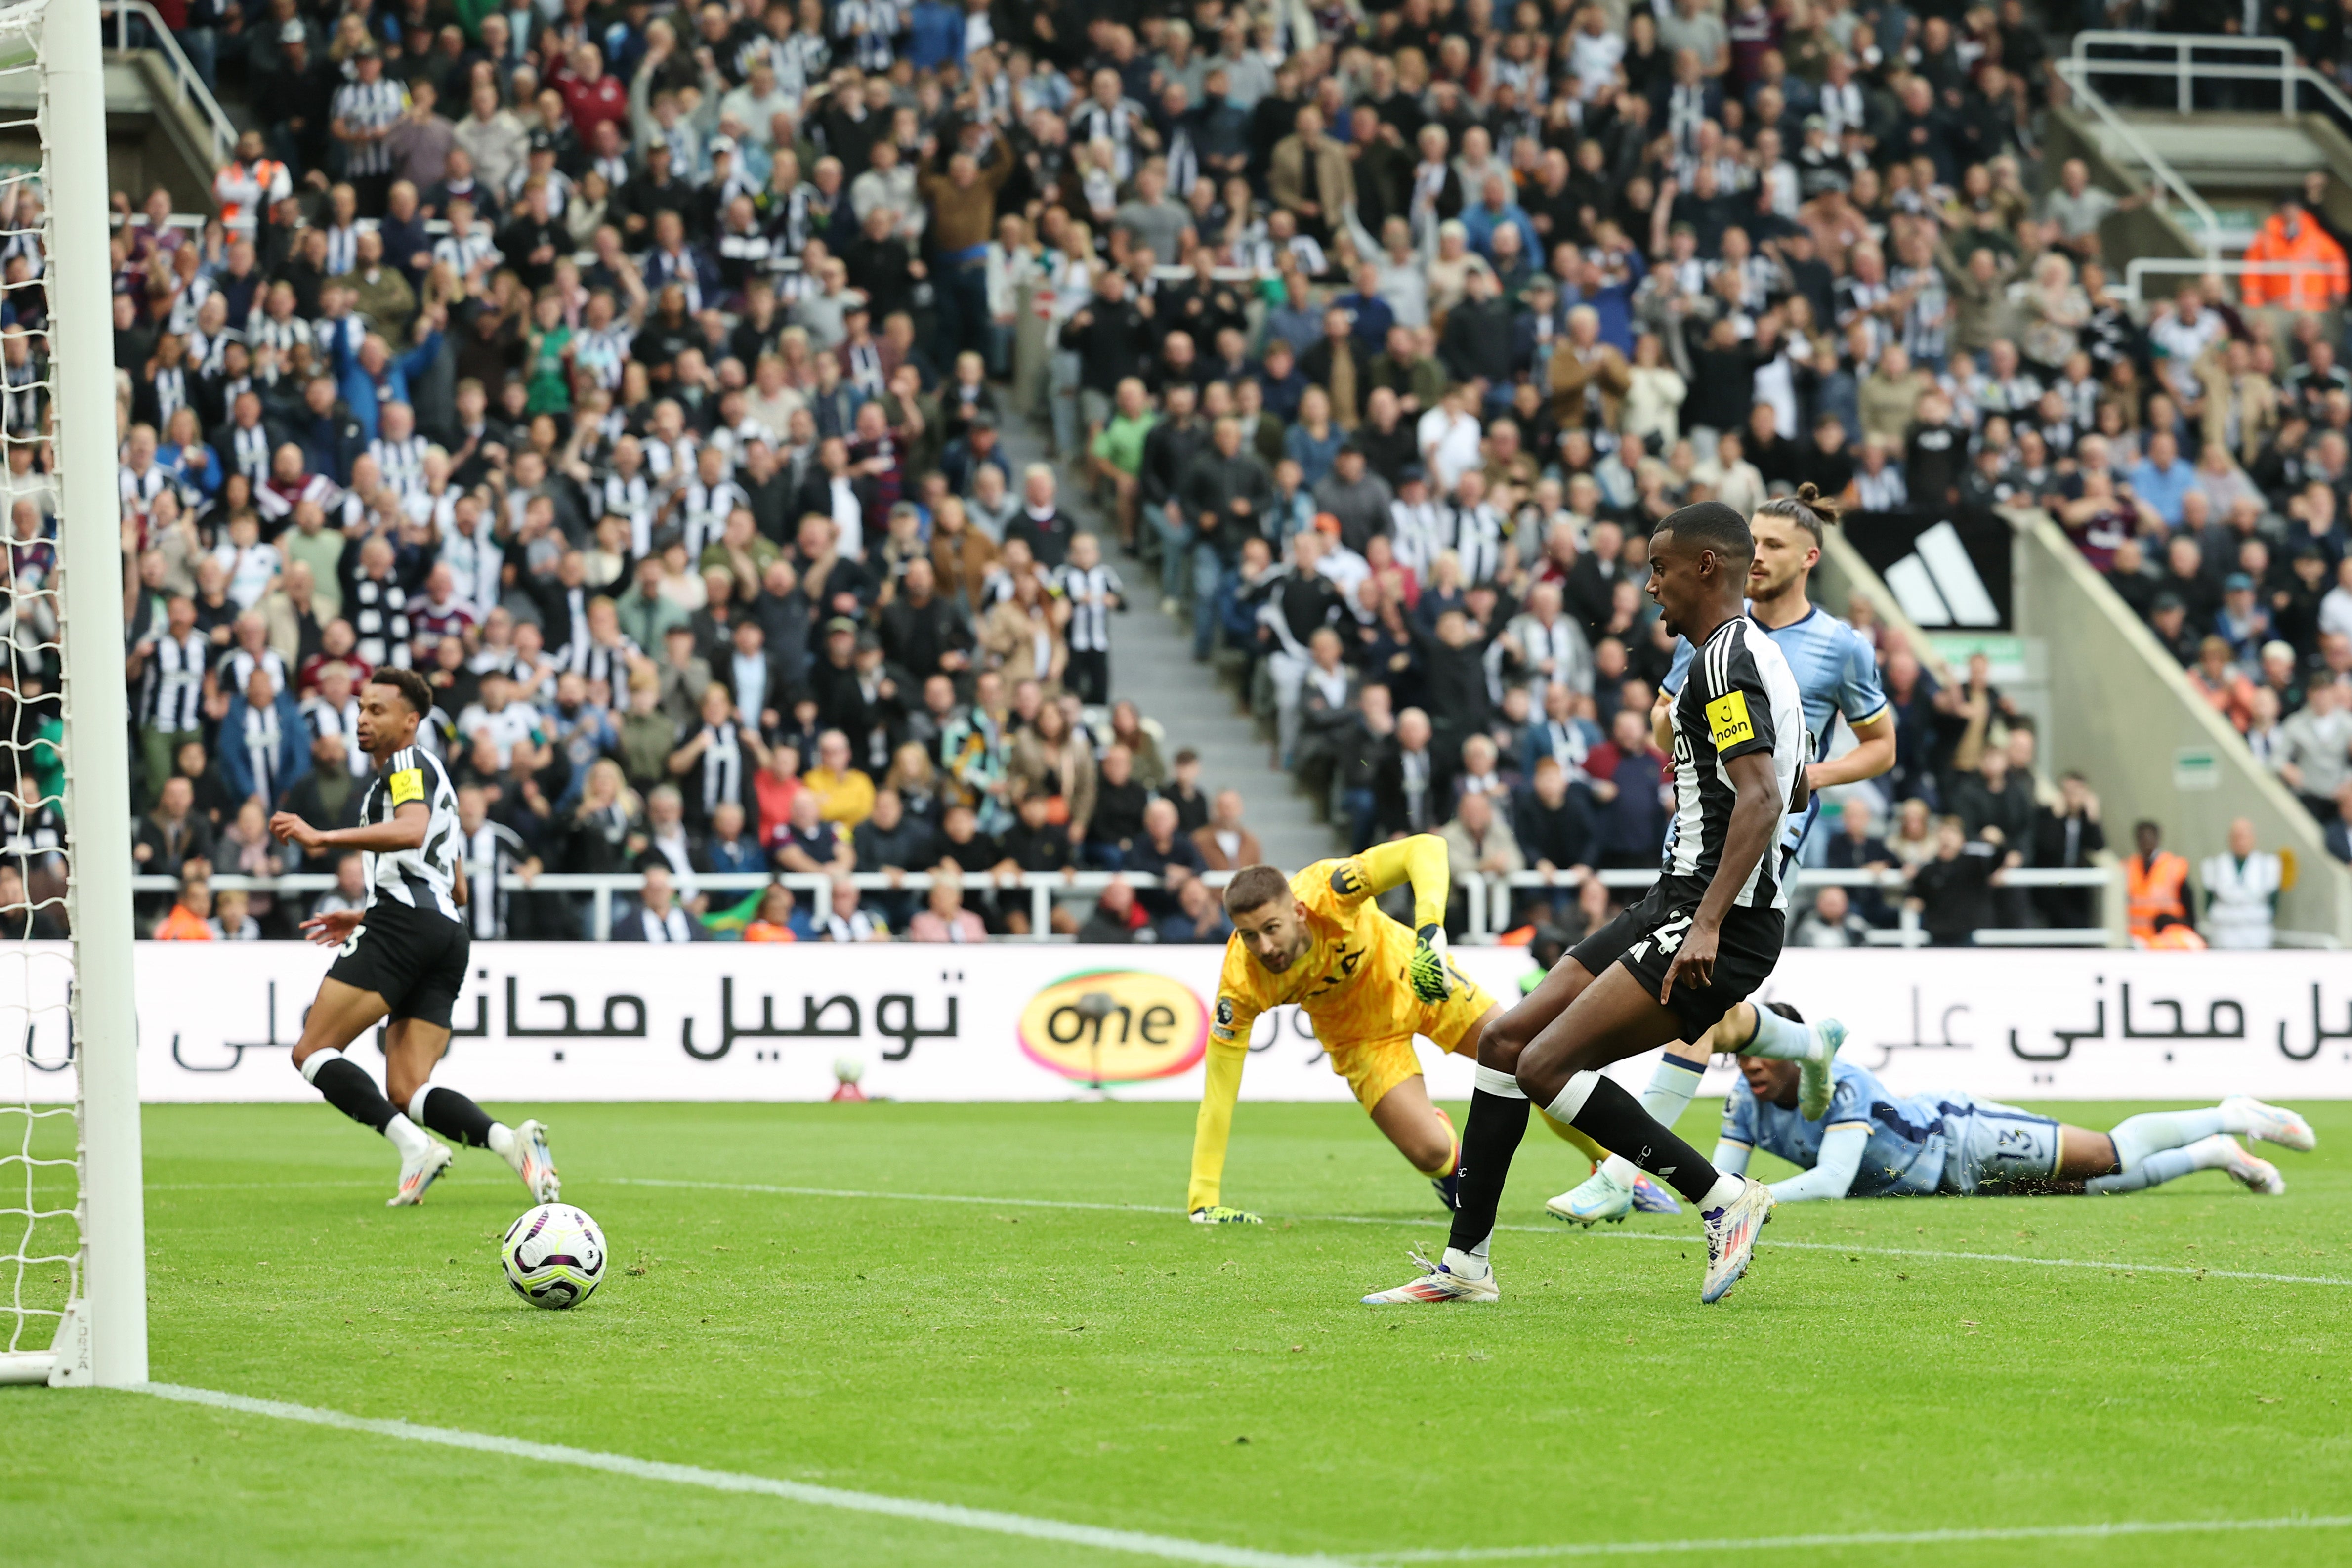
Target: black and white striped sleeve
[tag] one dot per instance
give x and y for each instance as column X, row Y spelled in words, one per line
column 1739, row 708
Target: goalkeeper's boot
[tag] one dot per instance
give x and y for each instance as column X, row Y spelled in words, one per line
column 531, row 1161
column 2271, row 1123
column 1601, row 1197
column 2252, row 1172
column 418, row 1172
column 1731, row 1233
column 1220, row 1214
column 1461, row 1278
column 1816, row 1075
column 1651, row 1198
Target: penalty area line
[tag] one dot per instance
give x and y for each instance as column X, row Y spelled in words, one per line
column 1683, row 1240
column 1167, row 1548
column 2114, row 1531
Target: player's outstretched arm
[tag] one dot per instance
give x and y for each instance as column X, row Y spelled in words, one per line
column 1421, row 860
column 1834, row 1167
column 1210, row 1129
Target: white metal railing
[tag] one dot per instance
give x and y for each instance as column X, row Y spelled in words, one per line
column 2197, row 267
column 1487, row 899
column 2162, row 171
column 187, row 87
column 2279, row 66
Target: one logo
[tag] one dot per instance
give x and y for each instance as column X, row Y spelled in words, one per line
column 1225, row 1012
column 1117, row 1026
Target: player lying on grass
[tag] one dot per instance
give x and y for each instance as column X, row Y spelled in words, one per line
column 404, row 956
column 1874, row 1143
column 1837, row 673
column 1705, row 935
column 1368, row 984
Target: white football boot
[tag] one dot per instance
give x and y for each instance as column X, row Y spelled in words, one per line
column 531, row 1161
column 1816, row 1077
column 1447, row 1281
column 2271, row 1123
column 1731, row 1236
column 2251, row 1171
column 418, row 1173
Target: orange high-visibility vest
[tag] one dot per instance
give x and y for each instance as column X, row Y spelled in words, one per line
column 2155, row 890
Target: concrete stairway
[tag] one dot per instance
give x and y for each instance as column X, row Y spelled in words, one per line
column 1151, row 666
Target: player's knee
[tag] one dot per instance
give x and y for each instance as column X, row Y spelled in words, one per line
column 1502, row 1041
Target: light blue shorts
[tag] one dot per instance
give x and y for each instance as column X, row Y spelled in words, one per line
column 1990, row 1144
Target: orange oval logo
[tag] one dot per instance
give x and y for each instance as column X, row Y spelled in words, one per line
column 1115, row 1026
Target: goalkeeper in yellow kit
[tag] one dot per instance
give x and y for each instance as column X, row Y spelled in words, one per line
column 1368, row 984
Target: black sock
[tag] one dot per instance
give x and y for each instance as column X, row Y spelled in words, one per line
column 1615, row 1120
column 452, row 1115
column 347, row 1087
column 1490, row 1136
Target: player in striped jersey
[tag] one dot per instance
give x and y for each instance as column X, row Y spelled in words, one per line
column 1837, row 673
column 404, row 956
column 1703, row 937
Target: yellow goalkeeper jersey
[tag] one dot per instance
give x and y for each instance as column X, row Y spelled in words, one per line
column 1351, row 982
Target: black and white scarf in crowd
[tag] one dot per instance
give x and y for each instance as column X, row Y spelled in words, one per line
column 864, row 368
column 343, row 723
column 671, row 927
column 343, row 244
column 869, row 26
column 1570, row 748
column 1478, row 533
column 379, row 613
column 703, row 511
column 263, row 743
column 171, row 393
column 1089, row 626
column 632, row 496
column 249, row 450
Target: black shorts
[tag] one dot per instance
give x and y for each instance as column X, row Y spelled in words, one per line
column 415, row 959
column 1744, row 956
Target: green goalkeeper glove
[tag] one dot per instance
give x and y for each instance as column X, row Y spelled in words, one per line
column 1427, row 974
column 1218, row 1214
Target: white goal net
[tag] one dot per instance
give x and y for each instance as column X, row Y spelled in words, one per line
column 72, row 1283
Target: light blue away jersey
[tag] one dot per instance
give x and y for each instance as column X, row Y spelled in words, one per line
column 1836, row 672
column 1905, row 1156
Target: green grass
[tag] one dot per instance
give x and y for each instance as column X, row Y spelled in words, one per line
column 1101, row 1367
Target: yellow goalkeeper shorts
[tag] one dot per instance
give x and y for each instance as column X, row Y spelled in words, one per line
column 1373, row 1067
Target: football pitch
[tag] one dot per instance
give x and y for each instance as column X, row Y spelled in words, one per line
column 980, row 1334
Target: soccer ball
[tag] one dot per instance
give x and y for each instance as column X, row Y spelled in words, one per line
column 554, row 1256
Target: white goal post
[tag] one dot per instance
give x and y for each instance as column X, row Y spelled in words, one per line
column 69, row 627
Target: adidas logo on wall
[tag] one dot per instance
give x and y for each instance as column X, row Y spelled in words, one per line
column 1938, row 584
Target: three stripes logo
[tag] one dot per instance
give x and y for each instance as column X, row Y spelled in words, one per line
column 1938, row 585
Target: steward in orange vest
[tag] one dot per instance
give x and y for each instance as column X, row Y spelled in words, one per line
column 2157, row 881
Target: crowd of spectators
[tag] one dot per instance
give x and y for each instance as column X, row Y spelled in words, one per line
column 642, row 376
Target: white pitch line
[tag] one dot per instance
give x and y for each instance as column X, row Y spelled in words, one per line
column 1873, row 1538
column 2093, row 1263
column 1168, row 1548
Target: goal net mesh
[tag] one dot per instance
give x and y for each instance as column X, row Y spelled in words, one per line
column 41, row 1229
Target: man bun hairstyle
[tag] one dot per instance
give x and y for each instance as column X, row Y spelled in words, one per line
column 1254, row 887
column 409, row 684
column 1808, row 509
column 1712, row 525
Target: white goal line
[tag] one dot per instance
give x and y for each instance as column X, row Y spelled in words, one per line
column 2192, row 1271
column 1166, row 1548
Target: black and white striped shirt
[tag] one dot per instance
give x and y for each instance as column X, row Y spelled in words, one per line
column 423, row 878
column 703, row 510
column 402, row 463
column 1741, row 698
column 493, row 849
column 343, row 243
column 172, row 697
column 325, row 718
column 367, row 106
